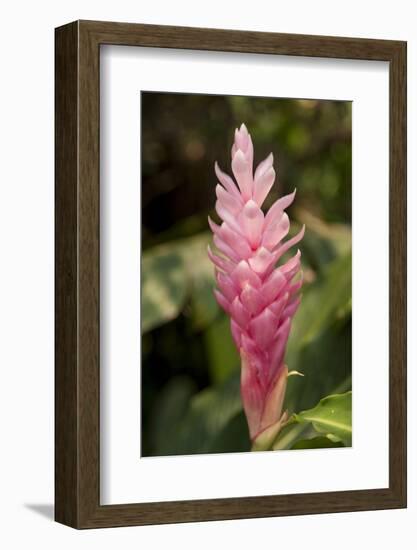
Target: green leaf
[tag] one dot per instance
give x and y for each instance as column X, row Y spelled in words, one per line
column 212, row 423
column 163, row 286
column 331, row 416
column 326, row 365
column 323, row 418
column 320, row 442
column 323, row 242
column 176, row 274
column 169, row 410
column 222, row 356
column 320, row 342
column 233, row 437
column 200, row 277
column 326, row 301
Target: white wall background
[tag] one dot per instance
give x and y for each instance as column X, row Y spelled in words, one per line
column 26, row 272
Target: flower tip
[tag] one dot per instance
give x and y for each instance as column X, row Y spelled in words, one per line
column 291, row 197
column 252, row 211
column 217, row 170
column 210, row 253
column 242, row 140
column 239, row 162
column 213, row 226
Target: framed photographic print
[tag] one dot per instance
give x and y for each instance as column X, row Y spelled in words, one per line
column 230, row 274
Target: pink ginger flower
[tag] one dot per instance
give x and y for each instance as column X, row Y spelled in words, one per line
column 260, row 298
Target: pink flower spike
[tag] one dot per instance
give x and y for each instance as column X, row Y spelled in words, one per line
column 292, row 307
column 243, row 174
column 221, row 263
column 278, row 208
column 221, row 300
column 261, row 260
column 276, row 231
column 264, row 166
column 243, row 141
column 251, row 220
column 262, row 185
column 260, row 297
column 227, row 182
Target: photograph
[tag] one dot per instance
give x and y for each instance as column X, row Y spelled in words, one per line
column 208, row 275
column 246, row 273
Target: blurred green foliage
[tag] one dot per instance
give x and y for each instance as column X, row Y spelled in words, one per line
column 190, row 368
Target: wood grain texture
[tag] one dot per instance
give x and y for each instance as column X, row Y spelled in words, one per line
column 78, row 287
column 66, row 237
column 398, row 273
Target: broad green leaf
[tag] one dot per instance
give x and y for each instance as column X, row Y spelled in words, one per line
column 323, row 242
column 222, row 355
column 319, row 345
column 169, row 410
column 174, row 274
column 320, row 442
column 233, row 437
column 331, row 416
column 200, row 277
column 163, row 286
column 326, row 365
column 325, row 301
column 210, row 412
column 212, row 423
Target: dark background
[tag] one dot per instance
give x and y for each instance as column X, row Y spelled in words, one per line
column 190, row 369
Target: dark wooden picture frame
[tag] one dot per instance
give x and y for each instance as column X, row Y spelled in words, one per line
column 77, row 373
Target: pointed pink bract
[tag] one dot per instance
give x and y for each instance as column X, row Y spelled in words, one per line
column 260, row 297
